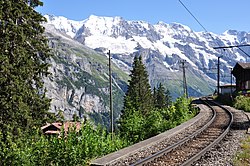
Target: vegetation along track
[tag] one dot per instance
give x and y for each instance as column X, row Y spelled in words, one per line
column 146, row 151
column 188, row 150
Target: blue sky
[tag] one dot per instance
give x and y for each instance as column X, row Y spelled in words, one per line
column 215, row 15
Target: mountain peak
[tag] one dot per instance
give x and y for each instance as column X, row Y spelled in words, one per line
column 161, row 45
column 179, row 26
column 231, row 32
column 162, row 23
column 127, row 37
column 63, row 24
column 107, row 19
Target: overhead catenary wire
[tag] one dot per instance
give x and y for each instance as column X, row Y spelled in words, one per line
column 238, row 46
column 203, row 27
column 210, row 34
column 244, row 51
column 232, row 46
column 193, row 16
column 218, row 65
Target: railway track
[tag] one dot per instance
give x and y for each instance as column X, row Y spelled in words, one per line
column 186, row 151
column 183, row 150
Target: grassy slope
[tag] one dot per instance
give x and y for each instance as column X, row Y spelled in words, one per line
column 243, row 158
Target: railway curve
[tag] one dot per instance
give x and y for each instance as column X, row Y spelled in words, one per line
column 177, row 150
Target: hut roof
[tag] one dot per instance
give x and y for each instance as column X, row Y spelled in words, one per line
column 58, row 126
column 244, row 65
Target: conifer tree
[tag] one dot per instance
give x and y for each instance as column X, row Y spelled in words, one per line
column 138, row 102
column 168, row 97
column 162, row 98
column 155, row 96
column 139, row 95
column 23, row 54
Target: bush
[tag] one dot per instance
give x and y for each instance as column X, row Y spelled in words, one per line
column 137, row 126
column 78, row 148
column 243, row 103
column 71, row 149
column 134, row 127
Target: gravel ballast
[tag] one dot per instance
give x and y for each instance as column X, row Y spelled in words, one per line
column 224, row 153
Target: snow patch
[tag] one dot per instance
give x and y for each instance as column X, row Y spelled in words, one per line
column 118, row 45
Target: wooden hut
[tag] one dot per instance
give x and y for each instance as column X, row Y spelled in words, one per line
column 241, row 72
column 55, row 128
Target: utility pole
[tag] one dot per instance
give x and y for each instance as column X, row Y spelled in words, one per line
column 218, row 75
column 184, row 77
column 226, row 47
column 231, row 81
column 110, row 97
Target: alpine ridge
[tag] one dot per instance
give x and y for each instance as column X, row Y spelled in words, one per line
column 127, row 37
column 162, row 46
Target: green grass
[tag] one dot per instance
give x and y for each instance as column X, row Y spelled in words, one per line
column 243, row 158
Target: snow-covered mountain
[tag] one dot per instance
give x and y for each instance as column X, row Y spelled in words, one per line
column 79, row 80
column 65, row 25
column 162, row 46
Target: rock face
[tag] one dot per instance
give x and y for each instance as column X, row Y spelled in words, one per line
column 78, row 69
column 79, row 81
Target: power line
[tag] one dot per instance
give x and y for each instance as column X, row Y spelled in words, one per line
column 244, row 52
column 218, row 67
column 244, row 45
column 238, row 46
column 198, row 22
column 193, row 16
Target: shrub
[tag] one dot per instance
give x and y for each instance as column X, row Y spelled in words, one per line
column 71, row 149
column 137, row 126
column 78, row 148
column 243, row 103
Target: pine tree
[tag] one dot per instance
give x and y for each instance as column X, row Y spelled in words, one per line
column 162, row 98
column 23, row 54
column 168, row 97
column 155, row 96
column 138, row 102
column 139, row 95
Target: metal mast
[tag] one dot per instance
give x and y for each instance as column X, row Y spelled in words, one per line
column 218, row 76
column 184, row 78
column 110, row 96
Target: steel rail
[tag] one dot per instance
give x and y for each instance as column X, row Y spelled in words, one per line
column 177, row 144
column 215, row 142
